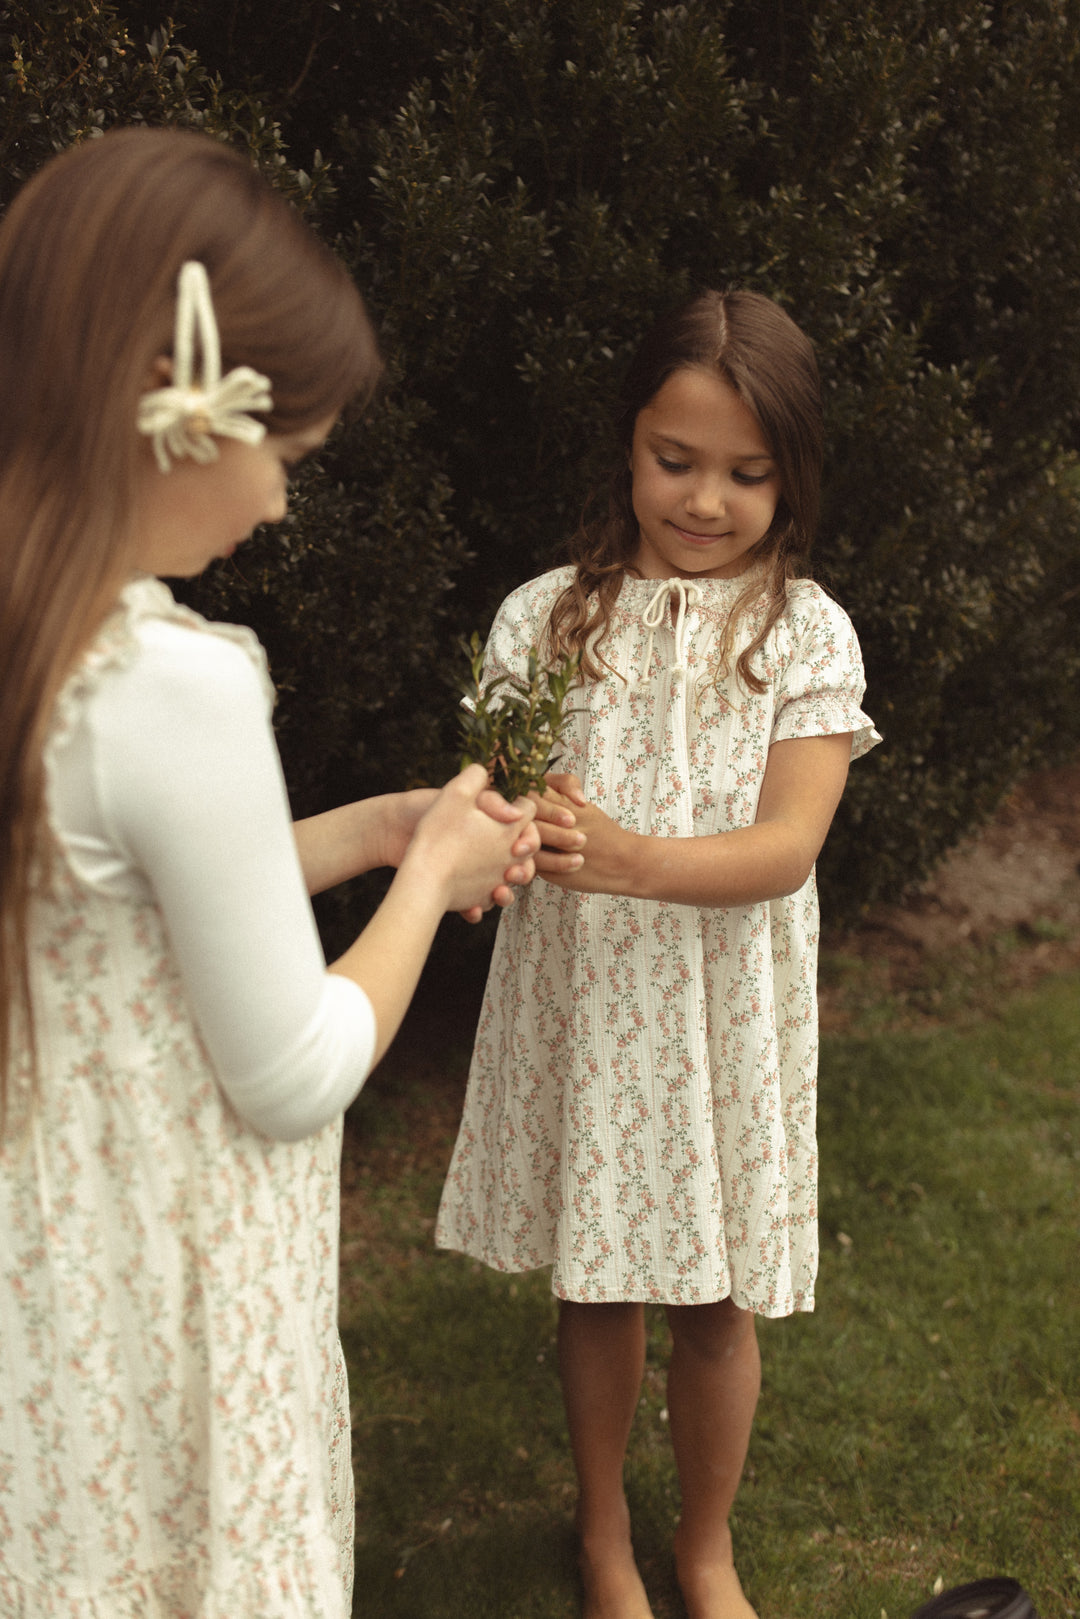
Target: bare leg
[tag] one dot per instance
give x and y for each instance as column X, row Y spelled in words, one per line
column 601, row 1362
column 713, row 1384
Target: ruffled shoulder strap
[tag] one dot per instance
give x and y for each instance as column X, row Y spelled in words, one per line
column 116, row 644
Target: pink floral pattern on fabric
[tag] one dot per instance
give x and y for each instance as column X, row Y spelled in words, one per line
column 642, row 1098
column 174, row 1420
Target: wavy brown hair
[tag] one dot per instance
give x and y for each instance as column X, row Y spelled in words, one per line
column 90, row 251
column 747, row 340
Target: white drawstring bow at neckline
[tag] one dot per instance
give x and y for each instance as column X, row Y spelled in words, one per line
column 653, row 618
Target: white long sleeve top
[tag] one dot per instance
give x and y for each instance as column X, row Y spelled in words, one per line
column 170, row 775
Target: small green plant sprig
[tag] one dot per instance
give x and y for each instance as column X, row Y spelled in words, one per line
column 512, row 726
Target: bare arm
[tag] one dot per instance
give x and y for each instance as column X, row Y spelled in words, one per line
column 200, row 809
column 341, row 843
column 803, row 783
column 452, row 863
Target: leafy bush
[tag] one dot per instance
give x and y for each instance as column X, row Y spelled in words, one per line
column 521, row 187
column 349, row 595
column 71, row 69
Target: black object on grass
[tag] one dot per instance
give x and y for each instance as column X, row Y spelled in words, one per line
column 982, row 1599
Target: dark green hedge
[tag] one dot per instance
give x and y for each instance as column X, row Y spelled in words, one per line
column 520, row 187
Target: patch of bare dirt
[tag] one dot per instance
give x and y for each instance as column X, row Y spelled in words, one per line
column 1004, row 905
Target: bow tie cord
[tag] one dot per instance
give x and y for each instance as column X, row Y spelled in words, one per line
column 653, row 617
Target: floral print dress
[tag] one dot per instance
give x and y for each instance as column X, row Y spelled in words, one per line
column 174, row 1420
column 641, row 1104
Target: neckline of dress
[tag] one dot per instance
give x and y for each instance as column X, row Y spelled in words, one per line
column 633, row 592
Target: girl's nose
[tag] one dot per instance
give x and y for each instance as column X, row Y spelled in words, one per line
column 706, row 498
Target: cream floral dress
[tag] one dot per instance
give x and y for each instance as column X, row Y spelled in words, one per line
column 174, row 1427
column 641, row 1104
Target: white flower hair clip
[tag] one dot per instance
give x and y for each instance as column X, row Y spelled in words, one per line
column 184, row 418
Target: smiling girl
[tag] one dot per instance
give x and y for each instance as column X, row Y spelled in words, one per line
column 641, row 1103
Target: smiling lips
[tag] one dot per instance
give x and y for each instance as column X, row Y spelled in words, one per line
column 698, row 539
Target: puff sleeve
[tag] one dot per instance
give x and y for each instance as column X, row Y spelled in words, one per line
column 819, row 680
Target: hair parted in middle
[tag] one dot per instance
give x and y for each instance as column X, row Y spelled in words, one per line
column 749, row 342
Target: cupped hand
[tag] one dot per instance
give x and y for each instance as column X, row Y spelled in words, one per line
column 603, row 865
column 524, row 868
column 525, row 846
column 475, row 845
column 562, row 838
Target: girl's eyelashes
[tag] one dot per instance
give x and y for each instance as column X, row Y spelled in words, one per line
column 748, row 478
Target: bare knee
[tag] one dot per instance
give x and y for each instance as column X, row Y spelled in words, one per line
column 712, row 1331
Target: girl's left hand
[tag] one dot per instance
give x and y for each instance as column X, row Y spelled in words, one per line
column 771, row 857
column 604, row 842
column 562, row 840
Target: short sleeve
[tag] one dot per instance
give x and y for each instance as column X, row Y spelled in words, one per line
column 519, row 623
column 820, row 682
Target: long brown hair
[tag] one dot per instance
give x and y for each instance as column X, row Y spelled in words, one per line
column 90, row 251
column 748, row 341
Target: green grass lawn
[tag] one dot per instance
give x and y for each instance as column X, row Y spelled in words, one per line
column 922, row 1424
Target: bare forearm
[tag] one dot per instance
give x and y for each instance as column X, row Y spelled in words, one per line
column 799, row 794
column 456, row 856
column 388, row 957
column 341, row 843
column 740, row 867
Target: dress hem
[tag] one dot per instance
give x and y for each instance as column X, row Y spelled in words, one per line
column 800, row 1303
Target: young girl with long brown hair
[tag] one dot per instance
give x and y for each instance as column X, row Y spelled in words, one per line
column 641, row 1104
column 175, row 1056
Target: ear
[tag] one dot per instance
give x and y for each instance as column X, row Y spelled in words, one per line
column 161, row 373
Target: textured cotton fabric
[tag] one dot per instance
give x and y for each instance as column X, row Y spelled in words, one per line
column 174, row 1420
column 641, row 1104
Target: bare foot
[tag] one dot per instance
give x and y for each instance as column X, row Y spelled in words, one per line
column 715, row 1593
column 613, row 1588
column 711, row 1588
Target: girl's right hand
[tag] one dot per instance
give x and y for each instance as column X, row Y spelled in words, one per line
column 456, row 858
column 472, row 843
